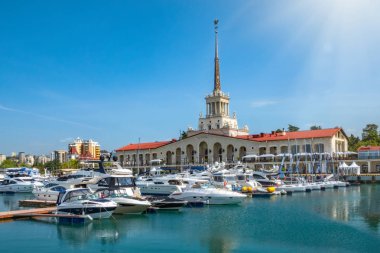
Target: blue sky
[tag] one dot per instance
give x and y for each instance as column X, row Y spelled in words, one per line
column 116, row 71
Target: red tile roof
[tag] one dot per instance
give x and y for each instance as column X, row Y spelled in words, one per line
column 73, row 151
column 307, row 134
column 145, row 145
column 369, row 148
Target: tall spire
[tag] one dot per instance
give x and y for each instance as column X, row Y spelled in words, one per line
column 216, row 71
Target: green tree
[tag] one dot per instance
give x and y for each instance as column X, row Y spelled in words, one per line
column 8, row 163
column 71, row 164
column 292, row 128
column 370, row 133
column 183, row 135
column 315, row 127
column 353, row 143
column 53, row 166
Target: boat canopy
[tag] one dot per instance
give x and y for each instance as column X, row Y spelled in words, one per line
column 284, row 154
column 249, row 156
column 267, row 156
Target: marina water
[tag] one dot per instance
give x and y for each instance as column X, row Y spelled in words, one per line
column 336, row 220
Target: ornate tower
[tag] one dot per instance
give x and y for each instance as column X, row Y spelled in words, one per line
column 216, row 60
column 218, row 118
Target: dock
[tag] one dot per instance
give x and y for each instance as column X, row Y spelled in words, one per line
column 36, row 203
column 25, row 213
column 46, row 212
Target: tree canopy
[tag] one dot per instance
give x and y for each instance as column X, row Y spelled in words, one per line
column 292, row 128
column 315, row 127
column 8, row 163
column 370, row 137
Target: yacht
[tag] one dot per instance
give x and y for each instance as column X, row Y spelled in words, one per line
column 167, row 203
column 223, row 178
column 120, row 188
column 81, row 201
column 160, row 186
column 209, row 195
column 126, row 204
column 80, row 177
column 265, row 180
column 13, row 185
column 293, row 185
column 48, row 192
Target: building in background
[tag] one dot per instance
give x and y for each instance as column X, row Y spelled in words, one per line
column 219, row 138
column 60, row 155
column 42, row 159
column 21, row 157
column 369, row 159
column 2, row 158
column 84, row 149
column 29, row 160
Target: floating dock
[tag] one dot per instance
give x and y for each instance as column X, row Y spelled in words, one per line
column 46, row 212
column 25, row 213
column 36, row 203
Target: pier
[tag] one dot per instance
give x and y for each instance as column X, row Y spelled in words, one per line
column 26, row 213
column 36, row 203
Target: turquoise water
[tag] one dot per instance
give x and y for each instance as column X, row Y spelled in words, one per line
column 341, row 220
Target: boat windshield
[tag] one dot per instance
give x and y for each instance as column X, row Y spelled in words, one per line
column 115, row 193
column 81, row 194
column 241, row 177
column 230, row 178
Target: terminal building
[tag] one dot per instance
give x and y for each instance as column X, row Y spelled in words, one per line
column 218, row 137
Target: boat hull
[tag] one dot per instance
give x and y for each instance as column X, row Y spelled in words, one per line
column 130, row 206
column 47, row 196
column 214, row 197
column 97, row 210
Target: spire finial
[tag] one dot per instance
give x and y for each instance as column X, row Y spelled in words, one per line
column 216, row 71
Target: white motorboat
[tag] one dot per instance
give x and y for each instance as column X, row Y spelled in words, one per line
column 80, row 177
column 166, row 203
column 336, row 183
column 292, row 185
column 209, row 195
column 120, row 188
column 265, row 179
column 48, row 192
column 126, row 204
column 160, row 186
column 81, row 201
column 13, row 185
column 223, row 178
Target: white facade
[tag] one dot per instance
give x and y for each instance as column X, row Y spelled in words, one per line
column 208, row 148
column 2, row 158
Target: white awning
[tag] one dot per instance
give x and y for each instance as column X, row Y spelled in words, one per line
column 249, row 156
column 267, row 156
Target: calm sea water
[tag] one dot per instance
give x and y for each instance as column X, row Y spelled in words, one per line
column 341, row 220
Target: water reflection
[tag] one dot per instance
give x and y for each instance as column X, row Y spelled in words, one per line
column 9, row 201
column 105, row 231
column 370, row 206
column 358, row 205
column 217, row 242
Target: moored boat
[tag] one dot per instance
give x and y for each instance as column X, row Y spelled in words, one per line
column 81, row 201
